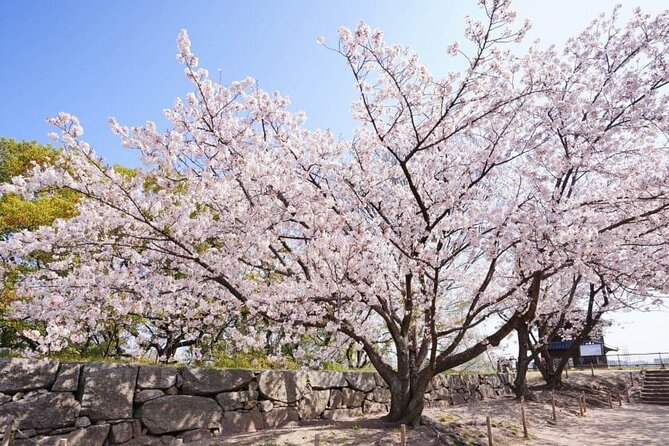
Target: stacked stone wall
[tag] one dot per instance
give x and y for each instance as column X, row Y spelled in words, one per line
column 99, row 403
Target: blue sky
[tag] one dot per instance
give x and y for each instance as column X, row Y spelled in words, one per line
column 95, row 59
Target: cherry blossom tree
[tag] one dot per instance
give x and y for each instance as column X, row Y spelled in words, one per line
column 440, row 221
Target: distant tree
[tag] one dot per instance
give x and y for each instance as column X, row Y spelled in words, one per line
column 17, row 214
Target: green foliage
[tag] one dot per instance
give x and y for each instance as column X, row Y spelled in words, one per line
column 18, row 213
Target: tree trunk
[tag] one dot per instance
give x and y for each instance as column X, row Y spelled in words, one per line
column 519, row 385
column 407, row 399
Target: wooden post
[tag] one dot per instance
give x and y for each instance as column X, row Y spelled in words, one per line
column 620, row 400
column 9, row 432
column 524, row 420
column 627, row 392
column 585, row 408
column 610, row 401
column 317, row 440
column 592, row 370
column 487, row 422
column 566, row 373
column 632, row 378
column 403, row 435
column 553, row 404
column 580, row 406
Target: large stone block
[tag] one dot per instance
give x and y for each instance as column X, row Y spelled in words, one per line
column 313, row 404
column 362, row 381
column 320, row 380
column 45, row 411
column 108, row 391
column 380, row 395
column 147, row 395
column 286, row 386
column 156, row 377
column 68, row 378
column 120, row 433
column 243, row 421
column 246, row 399
column 212, row 381
column 280, row 417
column 180, row 413
column 90, row 436
column 21, row 375
column 346, row 398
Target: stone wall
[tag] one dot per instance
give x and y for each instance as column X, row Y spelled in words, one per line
column 108, row 404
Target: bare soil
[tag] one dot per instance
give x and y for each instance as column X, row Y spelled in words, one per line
column 629, row 424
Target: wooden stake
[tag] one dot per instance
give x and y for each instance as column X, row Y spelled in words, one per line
column 592, row 370
column 580, row 406
column 403, row 435
column 585, row 408
column 9, row 432
column 566, row 373
column 610, row 401
column 632, row 378
column 317, row 440
column 627, row 392
column 524, row 420
column 620, row 400
column 553, row 404
column 487, row 422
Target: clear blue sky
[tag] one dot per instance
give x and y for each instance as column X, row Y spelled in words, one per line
column 100, row 58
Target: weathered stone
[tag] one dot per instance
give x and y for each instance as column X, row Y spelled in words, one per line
column 326, row 380
column 20, row 375
column 458, row 398
column 441, row 394
column 82, row 422
column 90, row 436
column 243, row 421
column 120, row 433
column 26, row 433
column 167, row 440
column 136, row 428
column 156, row 377
column 246, row 399
column 313, row 404
column 68, row 378
column 47, row 411
column 372, row 407
column 286, row 386
column 212, row 381
column 342, row 414
column 362, row 381
column 144, row 440
column 346, row 398
column 195, row 435
column 108, row 390
column 148, row 395
column 280, row 417
column 172, row 391
column 18, row 396
column 4, row 398
column 179, row 413
column 265, row 405
column 379, row 381
column 380, row 395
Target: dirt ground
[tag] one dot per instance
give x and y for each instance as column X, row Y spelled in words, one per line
column 629, row 424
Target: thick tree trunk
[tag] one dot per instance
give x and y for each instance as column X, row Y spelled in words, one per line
column 407, row 399
column 519, row 385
